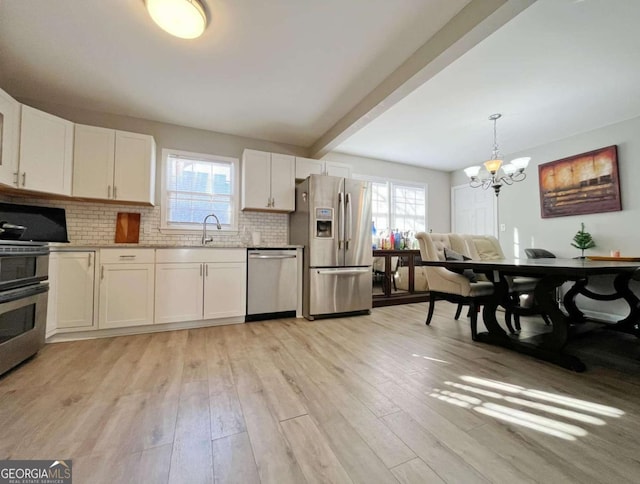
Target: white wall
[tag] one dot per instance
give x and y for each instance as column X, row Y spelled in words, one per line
column 438, row 184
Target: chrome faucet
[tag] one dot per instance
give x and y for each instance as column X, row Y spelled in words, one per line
column 204, row 228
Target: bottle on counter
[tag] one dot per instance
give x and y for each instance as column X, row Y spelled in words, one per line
column 397, row 240
column 374, row 235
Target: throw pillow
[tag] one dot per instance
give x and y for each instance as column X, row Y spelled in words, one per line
column 453, row 256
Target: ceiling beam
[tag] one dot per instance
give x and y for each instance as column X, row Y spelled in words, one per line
column 475, row 22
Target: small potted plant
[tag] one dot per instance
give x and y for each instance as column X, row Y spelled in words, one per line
column 583, row 241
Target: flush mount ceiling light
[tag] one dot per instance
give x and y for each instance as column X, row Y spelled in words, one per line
column 492, row 177
column 183, row 18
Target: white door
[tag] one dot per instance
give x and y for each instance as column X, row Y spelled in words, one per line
column 93, row 155
column 46, row 152
column 74, row 294
column 126, row 295
column 225, row 290
column 179, row 292
column 283, row 192
column 474, row 211
column 134, row 172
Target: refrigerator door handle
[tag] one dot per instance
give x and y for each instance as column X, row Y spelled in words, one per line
column 344, row 272
column 349, row 222
column 341, row 221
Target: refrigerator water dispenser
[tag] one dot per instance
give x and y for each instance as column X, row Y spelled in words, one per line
column 324, row 223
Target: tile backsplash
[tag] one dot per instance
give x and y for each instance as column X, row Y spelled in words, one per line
column 92, row 223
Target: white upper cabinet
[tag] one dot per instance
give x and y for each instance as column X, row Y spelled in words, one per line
column 307, row 166
column 333, row 168
column 93, row 160
column 113, row 165
column 283, row 182
column 46, row 152
column 135, row 167
column 268, row 181
column 9, row 138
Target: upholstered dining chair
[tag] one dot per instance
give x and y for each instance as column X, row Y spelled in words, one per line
column 533, row 253
column 539, row 254
column 448, row 285
column 487, row 247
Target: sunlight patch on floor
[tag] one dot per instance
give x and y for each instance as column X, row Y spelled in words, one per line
column 429, row 358
column 538, row 410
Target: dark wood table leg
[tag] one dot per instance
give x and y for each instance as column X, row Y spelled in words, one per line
column 630, row 324
column 550, row 348
column 569, row 301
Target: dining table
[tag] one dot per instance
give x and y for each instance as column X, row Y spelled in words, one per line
column 551, row 274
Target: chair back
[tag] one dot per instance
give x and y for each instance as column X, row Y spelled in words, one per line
column 539, row 254
column 483, row 247
column 438, row 278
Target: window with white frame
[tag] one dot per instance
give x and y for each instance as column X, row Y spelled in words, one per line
column 398, row 204
column 196, row 185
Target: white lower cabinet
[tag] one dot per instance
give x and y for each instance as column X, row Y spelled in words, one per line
column 120, row 288
column 126, row 287
column 178, row 292
column 71, row 305
column 200, row 284
column 225, row 290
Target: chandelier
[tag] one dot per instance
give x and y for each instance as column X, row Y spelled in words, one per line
column 496, row 174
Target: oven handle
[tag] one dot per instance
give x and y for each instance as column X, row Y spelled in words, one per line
column 27, row 252
column 23, row 292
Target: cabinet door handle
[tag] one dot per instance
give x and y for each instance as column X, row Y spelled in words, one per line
column 206, row 270
column 17, row 177
column 128, row 256
column 24, row 178
column 89, row 265
column 102, row 273
column 115, row 192
column 108, row 191
column 201, row 269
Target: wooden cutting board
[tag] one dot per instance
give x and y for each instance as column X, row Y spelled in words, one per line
column 127, row 228
column 619, row 259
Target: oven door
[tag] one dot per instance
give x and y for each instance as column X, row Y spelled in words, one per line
column 23, row 269
column 23, row 314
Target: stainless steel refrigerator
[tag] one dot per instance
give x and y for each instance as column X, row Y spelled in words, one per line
column 332, row 221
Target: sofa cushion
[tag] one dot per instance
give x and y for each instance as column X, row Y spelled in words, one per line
column 452, row 255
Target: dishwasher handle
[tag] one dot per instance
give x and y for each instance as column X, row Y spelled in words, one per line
column 272, row 256
column 344, row 272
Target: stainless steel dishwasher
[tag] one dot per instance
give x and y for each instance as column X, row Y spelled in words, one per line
column 272, row 283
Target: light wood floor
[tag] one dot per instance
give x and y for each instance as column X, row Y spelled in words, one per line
column 379, row 398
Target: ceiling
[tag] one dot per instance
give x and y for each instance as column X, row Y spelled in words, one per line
column 559, row 68
column 410, row 81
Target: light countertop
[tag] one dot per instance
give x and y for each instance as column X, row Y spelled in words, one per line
column 86, row 248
